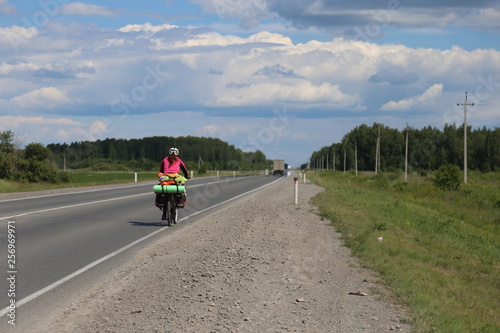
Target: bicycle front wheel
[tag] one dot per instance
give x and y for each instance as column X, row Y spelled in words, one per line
column 166, row 213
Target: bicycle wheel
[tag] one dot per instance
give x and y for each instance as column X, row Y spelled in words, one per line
column 166, row 212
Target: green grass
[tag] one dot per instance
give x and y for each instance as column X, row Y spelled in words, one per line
column 441, row 250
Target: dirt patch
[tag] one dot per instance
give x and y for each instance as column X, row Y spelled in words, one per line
column 262, row 265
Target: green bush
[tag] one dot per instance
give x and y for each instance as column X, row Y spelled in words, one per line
column 30, row 166
column 380, row 180
column 448, row 177
column 31, row 171
column 36, row 152
column 6, row 165
column 423, row 172
column 22, row 171
column 401, row 186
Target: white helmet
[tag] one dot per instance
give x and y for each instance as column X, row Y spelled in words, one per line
column 174, row 151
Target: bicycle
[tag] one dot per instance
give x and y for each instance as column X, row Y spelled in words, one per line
column 168, row 199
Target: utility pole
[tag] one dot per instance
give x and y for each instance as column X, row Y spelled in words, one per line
column 356, row 156
column 344, row 158
column 379, row 147
column 377, row 153
column 406, row 155
column 465, row 135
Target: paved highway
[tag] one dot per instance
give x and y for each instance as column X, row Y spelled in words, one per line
column 59, row 245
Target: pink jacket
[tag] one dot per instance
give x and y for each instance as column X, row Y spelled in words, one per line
column 176, row 167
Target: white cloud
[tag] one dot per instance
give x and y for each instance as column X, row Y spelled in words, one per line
column 485, row 18
column 216, row 39
column 428, row 97
column 15, row 68
column 38, row 128
column 146, row 27
column 98, row 130
column 17, row 121
column 44, row 98
column 82, row 9
column 202, row 68
column 208, row 130
column 302, row 92
column 229, row 130
column 15, row 36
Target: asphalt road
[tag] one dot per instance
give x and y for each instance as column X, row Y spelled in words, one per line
column 59, row 245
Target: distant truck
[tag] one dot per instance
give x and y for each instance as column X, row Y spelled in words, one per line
column 278, row 167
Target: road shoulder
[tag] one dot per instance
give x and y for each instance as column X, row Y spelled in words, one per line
column 262, row 264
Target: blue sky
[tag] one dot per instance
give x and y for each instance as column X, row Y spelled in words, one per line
column 283, row 76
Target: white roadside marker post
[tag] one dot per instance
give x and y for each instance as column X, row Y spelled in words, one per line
column 296, row 182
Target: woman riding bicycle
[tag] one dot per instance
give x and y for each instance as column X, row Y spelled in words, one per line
column 169, row 173
column 172, row 164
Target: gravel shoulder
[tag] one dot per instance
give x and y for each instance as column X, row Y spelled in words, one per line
column 262, row 264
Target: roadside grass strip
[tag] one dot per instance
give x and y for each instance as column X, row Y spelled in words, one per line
column 439, row 251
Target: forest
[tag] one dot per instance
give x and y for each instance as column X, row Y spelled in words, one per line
column 35, row 162
column 199, row 153
column 429, row 148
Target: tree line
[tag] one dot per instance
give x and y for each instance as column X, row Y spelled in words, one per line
column 199, row 153
column 429, row 148
column 31, row 164
column 37, row 162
